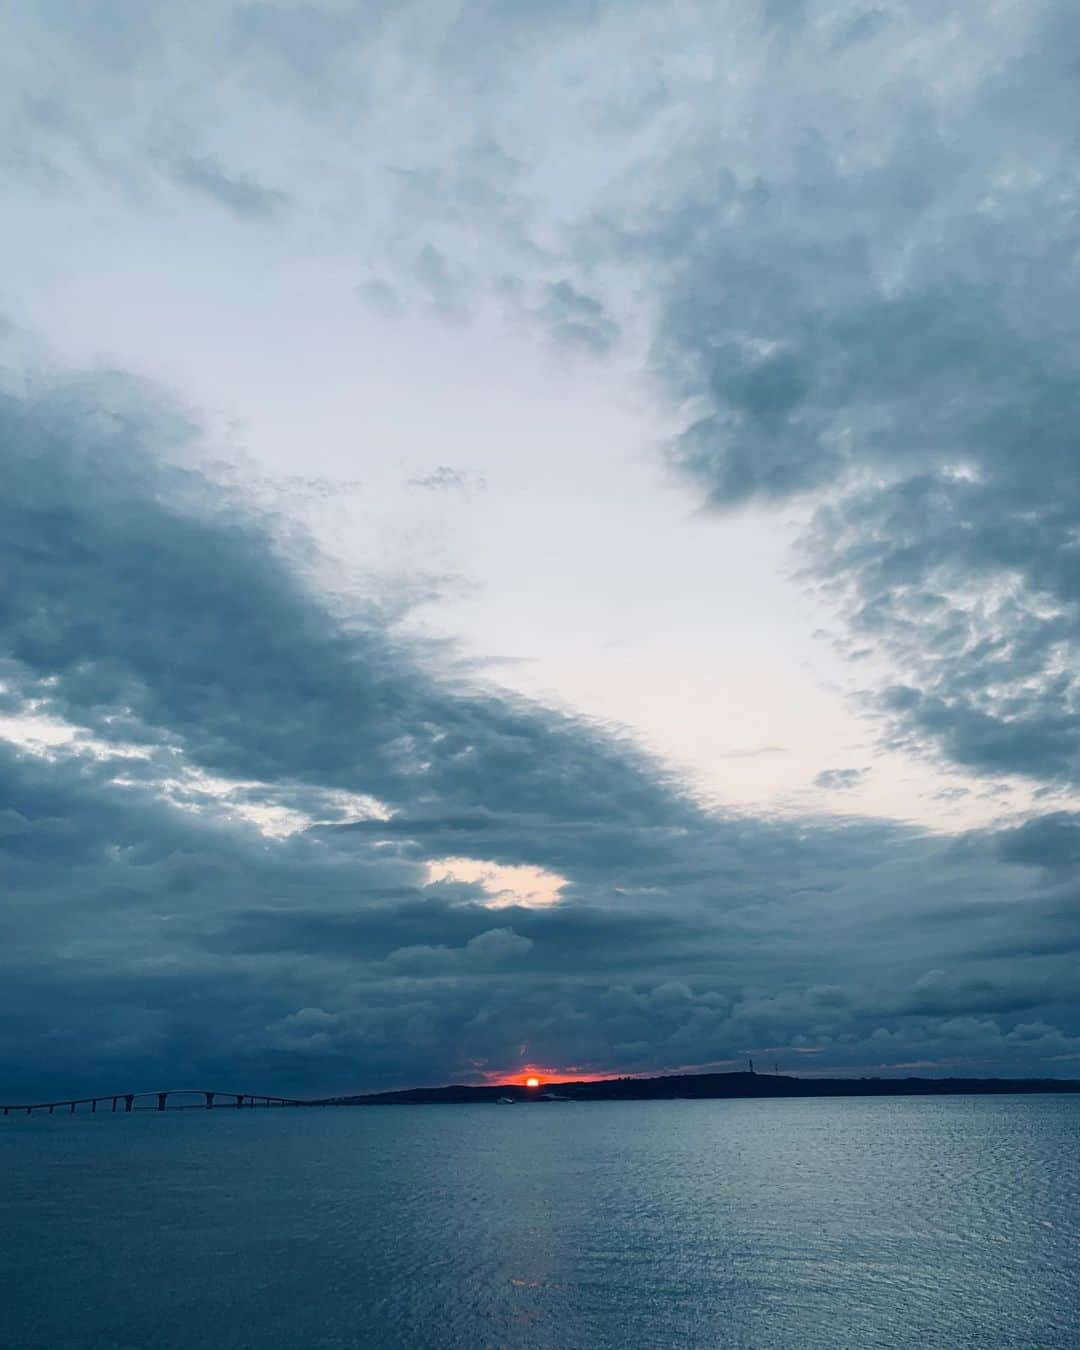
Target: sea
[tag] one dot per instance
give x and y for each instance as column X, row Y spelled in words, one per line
column 889, row 1222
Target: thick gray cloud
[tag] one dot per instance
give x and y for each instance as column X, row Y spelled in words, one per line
column 152, row 930
column 159, row 613
column 882, row 312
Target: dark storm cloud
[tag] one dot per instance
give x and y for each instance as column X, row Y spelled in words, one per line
column 153, row 930
column 156, row 614
column 1051, row 841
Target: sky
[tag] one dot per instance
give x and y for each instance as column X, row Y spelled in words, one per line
column 537, row 536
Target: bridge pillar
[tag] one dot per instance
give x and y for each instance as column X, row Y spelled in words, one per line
column 72, row 1108
column 239, row 1099
column 114, row 1103
column 50, row 1110
column 129, row 1100
column 5, row 1110
column 93, row 1105
column 161, row 1100
column 209, row 1100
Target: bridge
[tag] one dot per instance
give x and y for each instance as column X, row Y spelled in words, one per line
column 184, row 1098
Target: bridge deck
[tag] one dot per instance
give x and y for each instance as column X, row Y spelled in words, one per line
column 211, row 1097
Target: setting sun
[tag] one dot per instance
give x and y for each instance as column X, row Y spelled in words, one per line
column 532, row 1082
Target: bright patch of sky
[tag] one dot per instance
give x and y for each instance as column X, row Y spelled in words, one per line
column 529, row 886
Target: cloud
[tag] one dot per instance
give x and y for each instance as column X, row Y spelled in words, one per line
column 877, row 315
column 260, row 680
column 1050, row 841
column 849, row 274
column 241, row 196
column 488, row 949
column 438, row 281
column 444, row 478
column 142, row 896
column 840, row 779
column 574, row 319
column 380, row 296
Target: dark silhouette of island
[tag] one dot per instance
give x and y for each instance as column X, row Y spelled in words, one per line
column 705, row 1086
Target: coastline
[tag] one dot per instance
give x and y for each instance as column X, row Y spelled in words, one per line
column 706, row 1087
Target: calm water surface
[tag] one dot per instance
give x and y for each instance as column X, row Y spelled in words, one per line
column 903, row 1223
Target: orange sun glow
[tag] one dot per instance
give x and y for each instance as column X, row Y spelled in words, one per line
column 532, row 1082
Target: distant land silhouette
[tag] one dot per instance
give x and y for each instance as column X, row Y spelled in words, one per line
column 706, row 1086
column 668, row 1087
